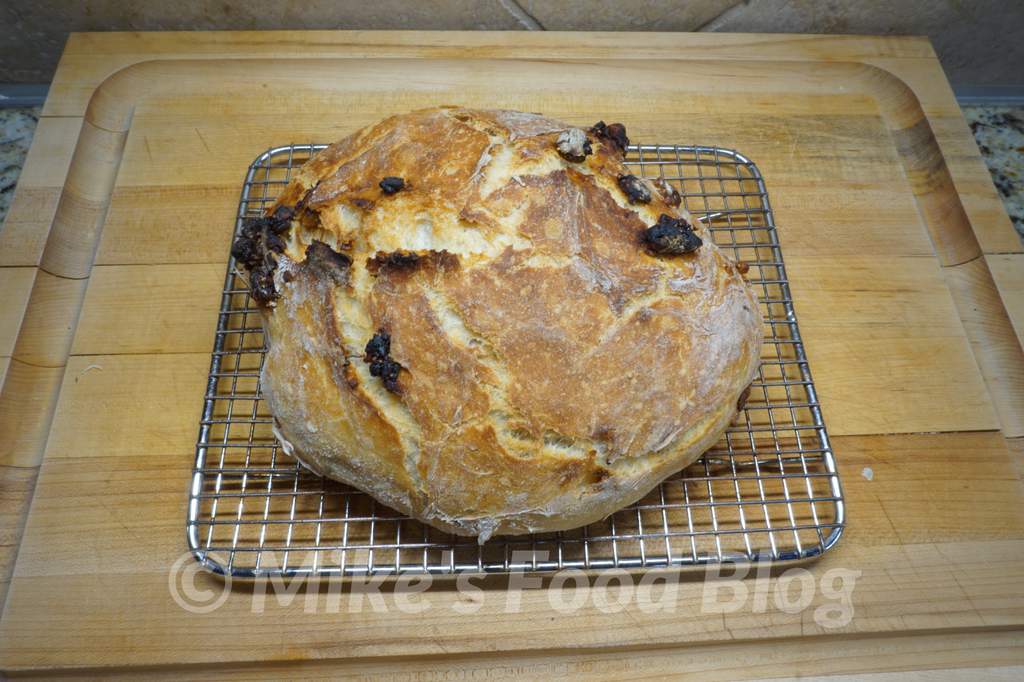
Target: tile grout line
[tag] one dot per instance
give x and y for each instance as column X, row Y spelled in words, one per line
column 525, row 19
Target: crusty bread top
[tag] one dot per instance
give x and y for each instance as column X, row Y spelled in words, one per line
column 544, row 351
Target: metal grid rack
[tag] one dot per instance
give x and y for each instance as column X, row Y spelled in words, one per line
column 768, row 491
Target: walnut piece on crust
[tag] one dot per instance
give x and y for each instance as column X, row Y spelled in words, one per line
column 573, row 145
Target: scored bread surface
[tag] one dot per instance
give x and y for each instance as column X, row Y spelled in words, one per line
column 552, row 368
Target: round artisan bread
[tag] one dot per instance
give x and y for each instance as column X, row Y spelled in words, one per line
column 483, row 320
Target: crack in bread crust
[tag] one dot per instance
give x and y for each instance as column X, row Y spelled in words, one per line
column 507, row 421
column 553, row 370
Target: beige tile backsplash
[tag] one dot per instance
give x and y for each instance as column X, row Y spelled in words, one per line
column 979, row 41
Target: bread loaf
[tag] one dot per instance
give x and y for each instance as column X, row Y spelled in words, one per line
column 485, row 321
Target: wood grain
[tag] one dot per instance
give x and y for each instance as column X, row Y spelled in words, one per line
column 16, row 484
column 894, row 593
column 90, row 58
column 996, row 348
column 26, row 409
column 901, row 260
column 160, row 395
column 27, row 224
column 49, row 322
column 861, row 657
column 16, row 284
column 1008, row 273
column 1015, row 448
column 74, row 234
column 116, row 313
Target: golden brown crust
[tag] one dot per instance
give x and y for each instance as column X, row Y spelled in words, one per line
column 552, row 369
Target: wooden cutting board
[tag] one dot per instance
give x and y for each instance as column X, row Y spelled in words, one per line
column 904, row 269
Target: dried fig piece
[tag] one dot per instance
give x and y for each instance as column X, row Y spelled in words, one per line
column 378, row 355
column 614, row 133
column 259, row 239
column 671, row 237
column 392, row 185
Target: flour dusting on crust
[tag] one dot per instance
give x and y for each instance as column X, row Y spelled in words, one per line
column 492, row 345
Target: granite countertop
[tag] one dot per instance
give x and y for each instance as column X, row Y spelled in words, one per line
column 16, row 129
column 999, row 132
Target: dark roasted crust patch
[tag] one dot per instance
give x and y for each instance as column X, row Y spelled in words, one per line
column 325, row 260
column 393, row 260
column 409, row 261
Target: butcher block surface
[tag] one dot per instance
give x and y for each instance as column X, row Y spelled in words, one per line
column 905, row 272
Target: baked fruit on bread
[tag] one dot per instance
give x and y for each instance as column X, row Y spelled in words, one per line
column 485, row 321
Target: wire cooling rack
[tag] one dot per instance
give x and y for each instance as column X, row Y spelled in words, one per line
column 768, row 491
